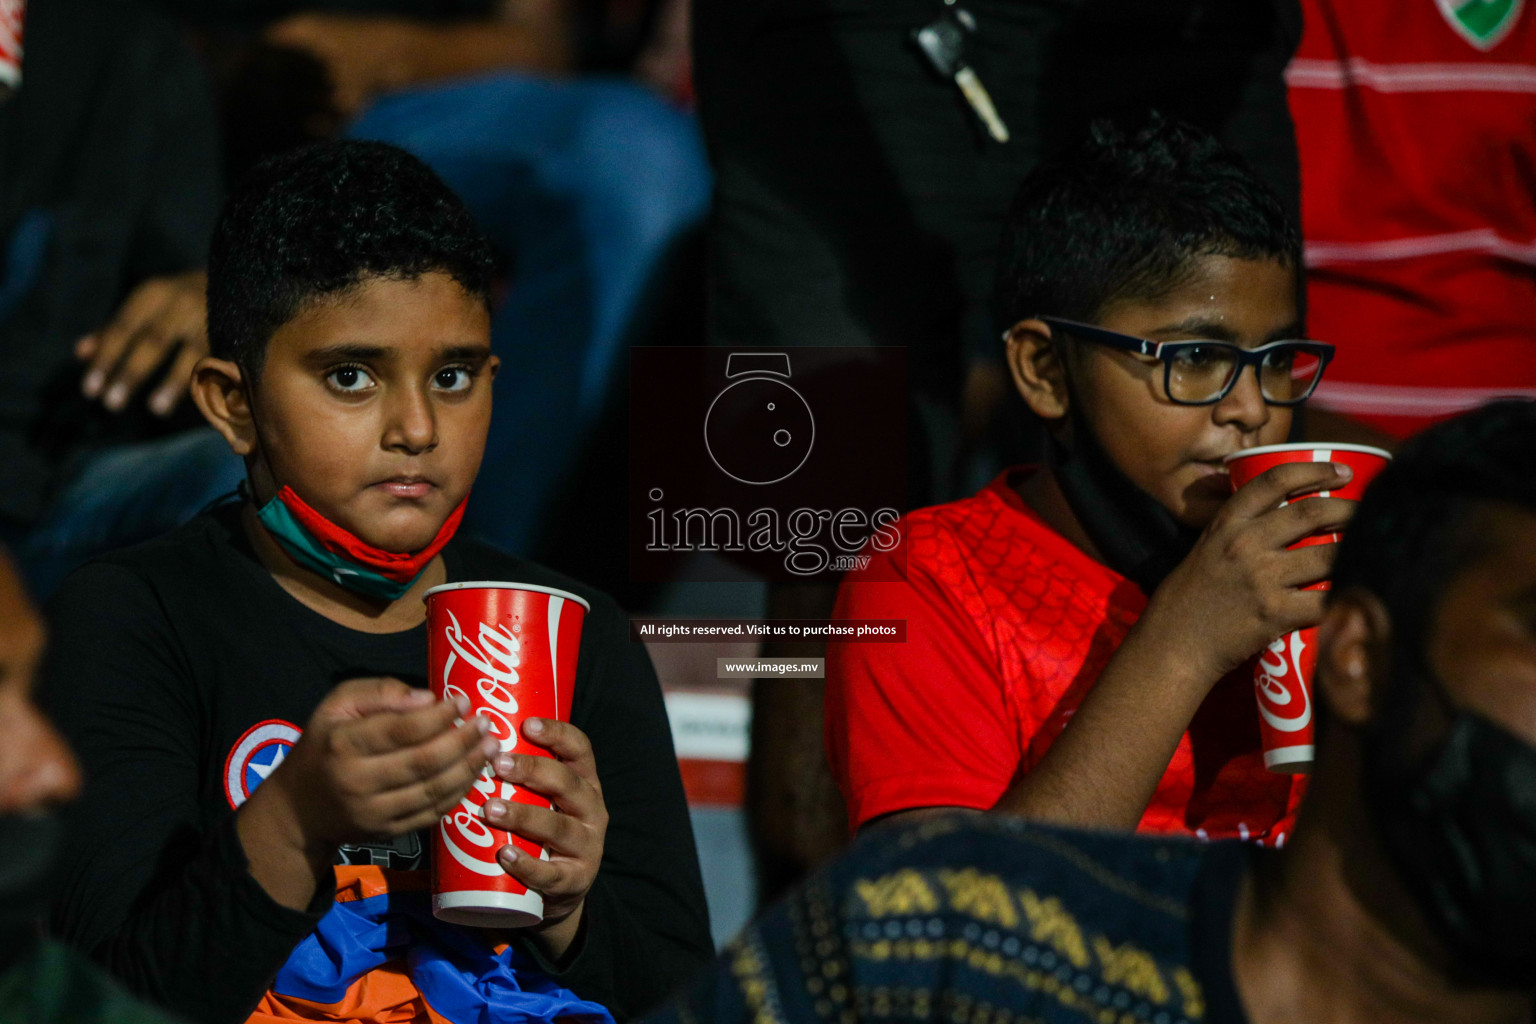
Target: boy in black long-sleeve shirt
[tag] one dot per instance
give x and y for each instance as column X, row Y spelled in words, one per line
column 351, row 369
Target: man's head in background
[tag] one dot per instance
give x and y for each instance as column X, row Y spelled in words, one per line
column 1427, row 671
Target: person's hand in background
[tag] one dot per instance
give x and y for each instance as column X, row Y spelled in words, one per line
column 161, row 316
column 666, row 62
column 366, row 56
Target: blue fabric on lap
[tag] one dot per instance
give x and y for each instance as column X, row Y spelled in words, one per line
column 456, row 972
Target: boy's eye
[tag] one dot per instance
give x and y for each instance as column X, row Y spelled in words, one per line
column 1280, row 359
column 349, row 378
column 1199, row 357
column 453, row 378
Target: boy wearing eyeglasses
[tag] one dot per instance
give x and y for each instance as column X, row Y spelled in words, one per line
column 1150, row 295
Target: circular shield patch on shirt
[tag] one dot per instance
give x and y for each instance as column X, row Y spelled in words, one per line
column 256, row 755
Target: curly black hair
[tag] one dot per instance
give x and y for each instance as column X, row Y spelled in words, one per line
column 1122, row 214
column 318, row 221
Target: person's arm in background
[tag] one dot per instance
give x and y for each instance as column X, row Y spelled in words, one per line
column 796, row 815
column 645, row 927
column 367, row 55
column 922, row 726
column 162, row 324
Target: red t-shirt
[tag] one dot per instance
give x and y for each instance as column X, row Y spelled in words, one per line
column 1416, row 127
column 1008, row 625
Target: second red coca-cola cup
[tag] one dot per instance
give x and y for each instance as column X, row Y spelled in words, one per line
column 1283, row 676
column 510, row 649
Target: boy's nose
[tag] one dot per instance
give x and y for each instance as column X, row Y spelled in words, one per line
column 1244, row 406
column 412, row 425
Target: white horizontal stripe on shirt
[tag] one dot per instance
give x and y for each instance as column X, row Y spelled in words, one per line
column 1320, row 253
column 1357, row 72
column 1402, row 400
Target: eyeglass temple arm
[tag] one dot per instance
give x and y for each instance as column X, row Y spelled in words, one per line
column 1104, row 336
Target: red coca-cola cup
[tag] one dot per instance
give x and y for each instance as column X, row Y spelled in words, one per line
column 510, row 649
column 1282, row 678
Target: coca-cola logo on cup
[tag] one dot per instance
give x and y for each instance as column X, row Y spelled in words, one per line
column 1280, row 685
column 493, row 658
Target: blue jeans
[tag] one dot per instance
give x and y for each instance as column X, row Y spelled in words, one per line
column 588, row 185
column 124, row 495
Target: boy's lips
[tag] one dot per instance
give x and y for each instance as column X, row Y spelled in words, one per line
column 407, row 486
column 1211, row 473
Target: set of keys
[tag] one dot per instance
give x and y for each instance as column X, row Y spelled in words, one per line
column 943, row 43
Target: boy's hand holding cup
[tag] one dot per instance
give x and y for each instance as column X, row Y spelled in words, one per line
column 1283, row 675
column 1239, row 587
column 571, row 833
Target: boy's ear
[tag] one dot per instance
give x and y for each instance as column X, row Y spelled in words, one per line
column 1035, row 359
column 218, row 388
column 1354, row 642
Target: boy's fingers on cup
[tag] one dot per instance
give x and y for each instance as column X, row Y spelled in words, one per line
column 416, row 819
column 1267, row 490
column 1299, row 609
column 561, row 833
column 387, row 731
column 367, row 695
column 549, row 778
column 432, row 797
column 566, row 742
column 1303, row 518
column 409, row 765
column 1307, row 565
column 547, row 878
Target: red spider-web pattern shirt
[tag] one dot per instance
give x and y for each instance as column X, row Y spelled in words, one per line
column 1008, row 626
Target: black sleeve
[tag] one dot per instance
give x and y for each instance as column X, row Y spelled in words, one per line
column 645, row 927
column 162, row 901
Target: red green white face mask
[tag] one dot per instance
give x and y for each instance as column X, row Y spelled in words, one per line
column 321, row 546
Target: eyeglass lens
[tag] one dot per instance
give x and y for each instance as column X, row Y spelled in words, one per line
column 1199, row 373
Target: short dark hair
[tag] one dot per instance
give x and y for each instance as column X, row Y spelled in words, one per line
column 320, row 220
column 1122, row 214
column 1418, row 522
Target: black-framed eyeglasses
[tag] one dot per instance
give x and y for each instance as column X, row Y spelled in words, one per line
column 1204, row 372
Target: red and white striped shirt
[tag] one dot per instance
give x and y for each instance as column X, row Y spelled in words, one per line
column 1416, row 123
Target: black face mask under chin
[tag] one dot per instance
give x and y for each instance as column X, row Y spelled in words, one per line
column 29, row 849
column 1137, row 536
column 1459, row 825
